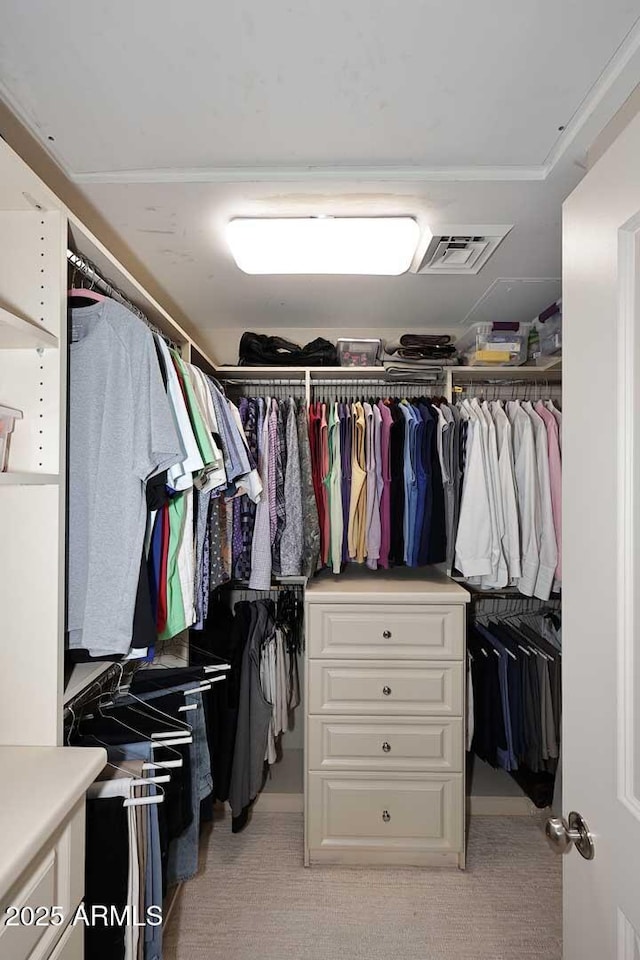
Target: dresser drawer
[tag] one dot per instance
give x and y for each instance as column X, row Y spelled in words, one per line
column 385, row 631
column 418, row 813
column 381, row 689
column 54, row 879
column 420, row 745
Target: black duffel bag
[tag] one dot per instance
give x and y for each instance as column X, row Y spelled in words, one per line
column 258, row 350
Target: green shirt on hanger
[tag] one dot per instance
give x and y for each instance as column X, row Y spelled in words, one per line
column 200, row 429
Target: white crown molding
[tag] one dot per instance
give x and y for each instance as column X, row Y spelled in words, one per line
column 297, row 174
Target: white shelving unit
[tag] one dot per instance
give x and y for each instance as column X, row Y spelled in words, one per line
column 32, row 379
column 36, row 230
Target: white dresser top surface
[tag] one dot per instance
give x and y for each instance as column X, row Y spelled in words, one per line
column 408, row 584
column 39, row 786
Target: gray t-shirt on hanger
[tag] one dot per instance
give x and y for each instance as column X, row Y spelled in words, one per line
column 121, row 433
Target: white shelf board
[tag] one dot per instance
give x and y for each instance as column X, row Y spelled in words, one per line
column 300, row 373
column 507, row 373
column 347, row 373
column 261, row 373
column 21, row 479
column 19, row 334
column 82, row 676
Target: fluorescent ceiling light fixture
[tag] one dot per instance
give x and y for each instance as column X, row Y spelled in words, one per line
column 357, row 245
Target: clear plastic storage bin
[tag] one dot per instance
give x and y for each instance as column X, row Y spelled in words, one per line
column 494, row 344
column 545, row 338
column 8, row 417
column 359, row 353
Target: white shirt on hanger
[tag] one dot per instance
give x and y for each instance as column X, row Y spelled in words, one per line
column 216, row 477
column 499, row 576
column 548, row 549
column 474, row 537
column 180, row 476
column 511, row 536
column 526, row 474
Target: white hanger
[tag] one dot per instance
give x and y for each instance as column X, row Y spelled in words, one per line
column 133, row 782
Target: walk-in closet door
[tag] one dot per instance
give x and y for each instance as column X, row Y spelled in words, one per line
column 601, row 509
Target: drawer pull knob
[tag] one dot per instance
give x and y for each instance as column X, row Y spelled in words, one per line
column 386, row 816
column 386, row 747
column 386, row 634
column 386, row 691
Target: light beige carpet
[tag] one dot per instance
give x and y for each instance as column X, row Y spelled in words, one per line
column 253, row 900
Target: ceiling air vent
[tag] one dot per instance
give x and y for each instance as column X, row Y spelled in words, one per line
column 458, row 250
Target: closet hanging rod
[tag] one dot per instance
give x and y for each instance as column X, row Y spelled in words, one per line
column 378, row 382
column 91, row 272
column 262, row 382
column 292, row 583
column 546, row 377
column 508, row 593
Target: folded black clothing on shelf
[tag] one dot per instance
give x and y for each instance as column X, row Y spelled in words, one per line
column 259, row 350
column 425, row 340
column 413, row 346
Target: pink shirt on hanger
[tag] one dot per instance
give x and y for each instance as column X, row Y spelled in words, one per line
column 325, row 518
column 555, row 476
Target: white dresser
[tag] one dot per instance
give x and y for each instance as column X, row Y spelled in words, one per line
column 384, row 722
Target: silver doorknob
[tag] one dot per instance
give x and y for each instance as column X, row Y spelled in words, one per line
column 562, row 835
column 386, row 816
column 386, row 634
column 386, row 747
column 386, row 691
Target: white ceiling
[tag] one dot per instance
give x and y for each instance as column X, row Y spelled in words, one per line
column 174, row 118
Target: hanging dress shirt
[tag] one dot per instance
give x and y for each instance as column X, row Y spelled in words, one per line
column 526, row 473
column 311, row 525
column 325, row 519
column 385, row 495
column 292, row 535
column 358, row 501
column 335, row 488
column 261, row 543
column 555, row 477
column 346, row 433
column 473, row 554
column 374, row 529
column 548, row 549
column 511, row 537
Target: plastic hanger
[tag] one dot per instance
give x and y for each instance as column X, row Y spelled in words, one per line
column 133, row 783
column 86, row 294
